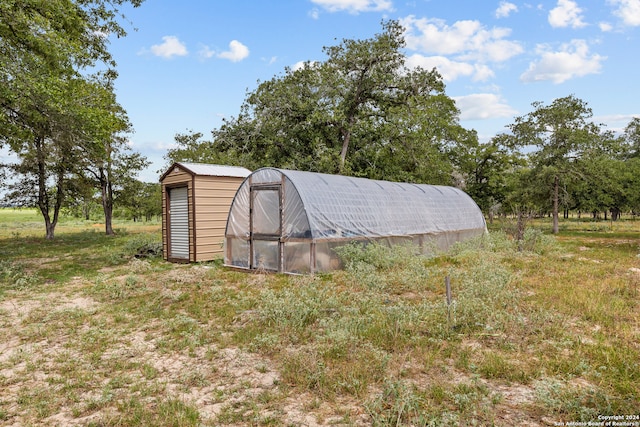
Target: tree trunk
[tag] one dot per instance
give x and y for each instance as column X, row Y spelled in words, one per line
column 108, row 227
column 346, row 139
column 615, row 214
column 520, row 229
column 345, row 148
column 556, row 189
column 43, row 195
column 51, row 228
column 106, row 191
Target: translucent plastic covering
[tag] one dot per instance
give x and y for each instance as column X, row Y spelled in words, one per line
column 290, row 221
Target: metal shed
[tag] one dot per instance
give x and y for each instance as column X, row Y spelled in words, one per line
column 195, row 206
column 290, row 221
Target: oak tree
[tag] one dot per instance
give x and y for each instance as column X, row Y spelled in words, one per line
column 556, row 137
column 49, row 49
column 360, row 112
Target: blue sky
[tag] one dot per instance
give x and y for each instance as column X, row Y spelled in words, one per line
column 191, row 63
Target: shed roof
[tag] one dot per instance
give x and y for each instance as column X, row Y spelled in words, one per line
column 205, row 169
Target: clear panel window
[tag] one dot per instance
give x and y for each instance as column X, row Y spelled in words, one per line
column 239, row 252
column 266, row 212
column 297, row 257
column 266, row 255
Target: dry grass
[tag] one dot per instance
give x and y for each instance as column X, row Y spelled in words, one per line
column 92, row 336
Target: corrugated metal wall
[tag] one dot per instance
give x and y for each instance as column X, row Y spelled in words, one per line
column 179, row 223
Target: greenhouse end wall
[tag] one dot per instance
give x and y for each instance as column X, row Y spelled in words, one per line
column 292, row 221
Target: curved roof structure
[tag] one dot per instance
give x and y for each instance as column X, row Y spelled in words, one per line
column 298, row 206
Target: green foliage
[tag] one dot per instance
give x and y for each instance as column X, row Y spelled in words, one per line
column 379, row 256
column 139, row 200
column 142, row 342
column 54, row 115
column 15, row 275
column 485, row 170
column 296, row 308
column 164, row 413
column 572, row 403
column 361, row 112
column 536, row 241
column 563, row 146
column 399, row 404
column 379, row 266
column 632, row 137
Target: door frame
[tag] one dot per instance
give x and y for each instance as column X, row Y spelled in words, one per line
column 262, row 236
column 169, row 189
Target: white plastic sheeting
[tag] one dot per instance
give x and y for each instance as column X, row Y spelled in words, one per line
column 290, row 221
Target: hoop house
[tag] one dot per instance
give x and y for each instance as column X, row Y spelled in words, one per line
column 290, row 221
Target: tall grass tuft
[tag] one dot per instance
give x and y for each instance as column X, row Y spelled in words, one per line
column 15, row 276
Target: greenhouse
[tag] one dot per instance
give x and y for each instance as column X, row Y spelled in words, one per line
column 291, row 221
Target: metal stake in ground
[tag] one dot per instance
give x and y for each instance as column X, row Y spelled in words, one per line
column 447, row 284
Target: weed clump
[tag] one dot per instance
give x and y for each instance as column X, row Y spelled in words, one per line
column 14, row 276
column 142, row 246
column 383, row 268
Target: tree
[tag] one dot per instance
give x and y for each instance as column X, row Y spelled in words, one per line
column 361, row 112
column 66, row 35
column 632, row 137
column 558, row 136
column 81, row 197
column 190, row 147
column 631, row 169
column 106, row 158
column 44, row 137
column 139, row 199
column 46, row 49
column 602, row 185
column 484, row 170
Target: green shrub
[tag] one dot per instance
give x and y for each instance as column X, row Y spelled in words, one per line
column 572, row 403
column 399, row 404
column 534, row 240
column 143, row 246
column 377, row 255
column 14, row 275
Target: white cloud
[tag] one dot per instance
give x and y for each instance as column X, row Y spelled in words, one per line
column 482, row 73
column 206, row 52
column 628, row 11
column 301, row 64
column 481, row 106
column 605, row 27
column 355, row 6
column 470, row 40
column 615, row 118
column 615, row 122
column 505, row 8
column 566, row 14
column 169, row 48
column 448, row 69
column 237, row 52
column 572, row 60
column 298, row 65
